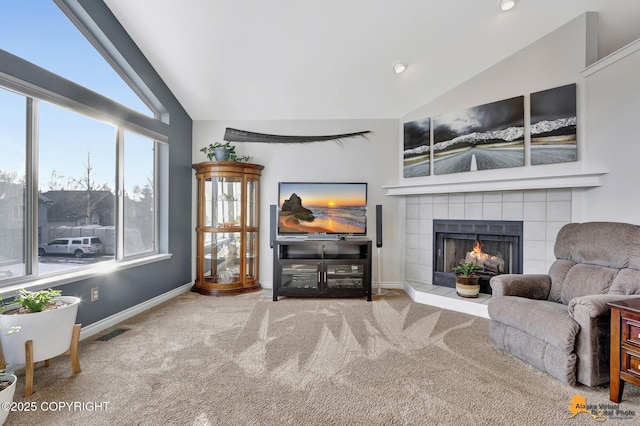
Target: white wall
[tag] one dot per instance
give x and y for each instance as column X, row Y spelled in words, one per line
column 371, row 160
column 608, row 105
column 611, row 133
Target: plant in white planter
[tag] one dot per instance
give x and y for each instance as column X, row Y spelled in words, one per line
column 7, row 390
column 47, row 329
column 7, row 386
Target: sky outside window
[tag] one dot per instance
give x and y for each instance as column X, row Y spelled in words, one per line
column 38, row 31
column 69, row 143
column 13, row 133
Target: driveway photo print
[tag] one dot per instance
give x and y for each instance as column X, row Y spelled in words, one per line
column 417, row 144
column 553, row 125
column 484, row 137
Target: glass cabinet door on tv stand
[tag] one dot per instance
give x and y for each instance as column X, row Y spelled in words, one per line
column 227, row 234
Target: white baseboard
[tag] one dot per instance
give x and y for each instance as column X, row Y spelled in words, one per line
column 388, row 285
column 105, row 323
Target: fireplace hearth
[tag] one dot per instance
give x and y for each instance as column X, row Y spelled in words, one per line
column 495, row 247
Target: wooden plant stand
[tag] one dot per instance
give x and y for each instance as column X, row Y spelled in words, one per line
column 73, row 352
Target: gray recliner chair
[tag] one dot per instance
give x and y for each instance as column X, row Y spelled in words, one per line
column 560, row 322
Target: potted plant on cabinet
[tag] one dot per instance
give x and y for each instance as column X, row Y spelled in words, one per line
column 467, row 281
column 47, row 329
column 223, row 152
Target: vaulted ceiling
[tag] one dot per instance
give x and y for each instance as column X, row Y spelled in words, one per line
column 332, row 59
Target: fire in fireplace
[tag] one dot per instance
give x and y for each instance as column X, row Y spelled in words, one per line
column 489, row 263
column 494, row 246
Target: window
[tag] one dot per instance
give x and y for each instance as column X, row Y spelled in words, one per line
column 139, row 204
column 12, row 178
column 77, row 164
column 77, row 178
column 18, row 213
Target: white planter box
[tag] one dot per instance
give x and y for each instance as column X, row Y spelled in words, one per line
column 50, row 332
column 7, row 396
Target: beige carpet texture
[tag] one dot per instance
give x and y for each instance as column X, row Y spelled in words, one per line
column 246, row 360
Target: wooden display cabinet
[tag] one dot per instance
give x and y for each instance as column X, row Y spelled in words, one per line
column 227, row 251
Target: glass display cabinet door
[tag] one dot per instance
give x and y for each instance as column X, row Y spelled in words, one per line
column 251, row 272
column 252, row 204
column 251, row 226
column 223, row 202
column 222, row 260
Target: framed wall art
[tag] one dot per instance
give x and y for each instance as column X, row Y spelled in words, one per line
column 553, row 125
column 489, row 136
column 417, row 146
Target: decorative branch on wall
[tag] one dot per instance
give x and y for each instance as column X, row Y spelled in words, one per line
column 235, row 135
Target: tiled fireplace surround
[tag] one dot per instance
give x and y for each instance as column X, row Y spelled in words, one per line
column 543, row 212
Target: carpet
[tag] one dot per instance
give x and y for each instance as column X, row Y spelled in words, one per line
column 246, row 360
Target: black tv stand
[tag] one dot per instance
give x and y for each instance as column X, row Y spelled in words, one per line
column 322, row 268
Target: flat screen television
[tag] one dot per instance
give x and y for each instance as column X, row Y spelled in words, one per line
column 322, row 208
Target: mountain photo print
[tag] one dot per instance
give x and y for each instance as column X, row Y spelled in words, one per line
column 417, row 145
column 553, row 125
column 484, row 137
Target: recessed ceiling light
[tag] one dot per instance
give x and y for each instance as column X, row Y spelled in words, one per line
column 507, row 5
column 399, row 67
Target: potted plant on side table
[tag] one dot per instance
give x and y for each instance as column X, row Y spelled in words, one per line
column 467, row 281
column 47, row 329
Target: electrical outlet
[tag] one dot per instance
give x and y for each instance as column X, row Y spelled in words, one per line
column 94, row 294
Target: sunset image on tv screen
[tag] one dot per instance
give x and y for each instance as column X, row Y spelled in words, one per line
column 335, row 208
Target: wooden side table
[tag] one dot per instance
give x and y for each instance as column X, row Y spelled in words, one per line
column 625, row 346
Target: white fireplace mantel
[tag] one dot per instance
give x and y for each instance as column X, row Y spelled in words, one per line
column 467, row 184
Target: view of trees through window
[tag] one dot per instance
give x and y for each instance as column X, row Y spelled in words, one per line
column 88, row 195
column 139, row 204
column 76, row 166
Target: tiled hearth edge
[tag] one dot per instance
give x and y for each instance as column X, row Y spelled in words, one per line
column 446, row 298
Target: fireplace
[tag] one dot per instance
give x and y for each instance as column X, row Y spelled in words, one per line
column 495, row 247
